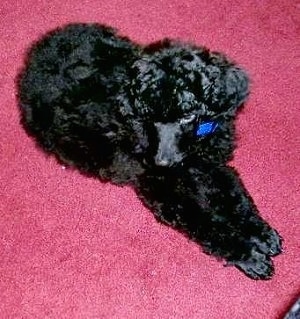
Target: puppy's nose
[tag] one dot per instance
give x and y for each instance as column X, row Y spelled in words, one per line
column 161, row 161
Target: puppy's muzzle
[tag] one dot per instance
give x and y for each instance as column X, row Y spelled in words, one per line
column 168, row 153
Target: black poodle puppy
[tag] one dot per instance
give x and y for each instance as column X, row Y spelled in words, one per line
column 158, row 117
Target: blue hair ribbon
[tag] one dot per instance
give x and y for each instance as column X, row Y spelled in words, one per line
column 206, row 128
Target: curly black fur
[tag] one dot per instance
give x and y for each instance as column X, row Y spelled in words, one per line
column 128, row 114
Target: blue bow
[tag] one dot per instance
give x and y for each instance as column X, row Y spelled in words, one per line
column 206, row 128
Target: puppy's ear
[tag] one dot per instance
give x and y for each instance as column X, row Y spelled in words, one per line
column 236, row 87
column 225, row 85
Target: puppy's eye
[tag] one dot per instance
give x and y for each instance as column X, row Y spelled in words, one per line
column 187, row 119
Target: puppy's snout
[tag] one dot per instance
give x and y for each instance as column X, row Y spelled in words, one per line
column 168, row 153
column 161, row 160
column 167, row 158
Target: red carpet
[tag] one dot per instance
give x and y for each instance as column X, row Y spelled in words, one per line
column 72, row 247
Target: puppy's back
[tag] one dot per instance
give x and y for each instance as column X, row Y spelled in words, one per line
column 68, row 89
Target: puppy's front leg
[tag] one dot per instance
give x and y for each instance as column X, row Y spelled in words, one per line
column 213, row 208
column 251, row 240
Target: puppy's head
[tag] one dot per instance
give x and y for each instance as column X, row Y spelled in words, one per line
column 186, row 97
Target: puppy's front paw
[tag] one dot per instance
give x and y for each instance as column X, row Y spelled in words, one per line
column 269, row 243
column 258, row 266
column 274, row 242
